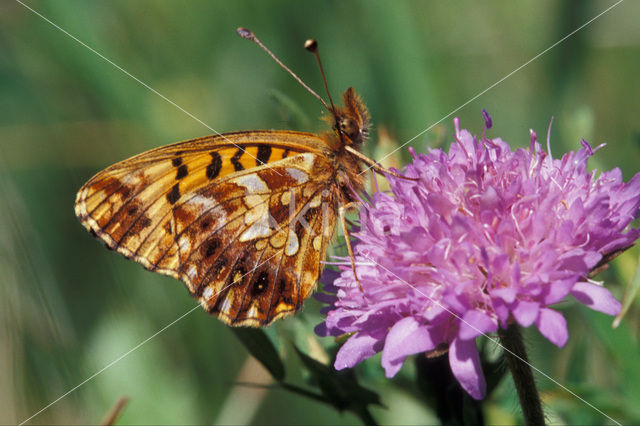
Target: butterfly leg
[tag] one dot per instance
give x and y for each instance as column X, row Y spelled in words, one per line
column 343, row 222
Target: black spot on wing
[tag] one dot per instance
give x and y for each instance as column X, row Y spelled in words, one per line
column 285, row 154
column 176, row 161
column 261, row 283
column 174, row 194
column 132, row 209
column 235, row 160
column 182, row 172
column 264, row 153
column 285, row 290
column 300, row 230
column 213, row 169
column 218, row 266
column 211, row 247
column 167, row 228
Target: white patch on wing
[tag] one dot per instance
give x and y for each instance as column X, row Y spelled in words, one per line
column 285, row 198
column 202, row 203
column 306, row 160
column 184, row 243
column 252, row 183
column 192, row 271
column 252, row 201
column 253, row 312
column 207, row 293
column 258, row 229
column 315, row 202
column 256, row 213
column 132, row 179
column 225, row 307
column 292, row 244
column 297, row 174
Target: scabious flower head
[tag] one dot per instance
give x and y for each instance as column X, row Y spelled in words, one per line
column 485, row 237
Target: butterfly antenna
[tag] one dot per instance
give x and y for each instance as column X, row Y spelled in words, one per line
column 249, row 35
column 312, row 46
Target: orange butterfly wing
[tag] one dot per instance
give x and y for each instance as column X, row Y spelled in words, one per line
column 244, row 219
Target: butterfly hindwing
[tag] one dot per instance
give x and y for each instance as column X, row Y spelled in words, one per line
column 257, row 281
column 244, row 225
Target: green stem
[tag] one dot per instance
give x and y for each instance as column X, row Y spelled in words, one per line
column 516, row 355
column 443, row 393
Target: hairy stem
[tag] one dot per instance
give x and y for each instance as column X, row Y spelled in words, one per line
column 516, row 356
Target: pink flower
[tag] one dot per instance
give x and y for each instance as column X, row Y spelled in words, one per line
column 486, row 236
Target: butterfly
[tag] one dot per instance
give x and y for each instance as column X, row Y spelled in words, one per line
column 244, row 219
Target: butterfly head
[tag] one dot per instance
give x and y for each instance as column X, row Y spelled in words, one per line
column 352, row 120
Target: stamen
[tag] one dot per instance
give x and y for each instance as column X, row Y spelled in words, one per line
column 534, row 139
column 549, row 139
column 487, row 119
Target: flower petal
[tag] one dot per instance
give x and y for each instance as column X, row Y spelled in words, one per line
column 525, row 312
column 359, row 347
column 559, row 289
column 406, row 337
column 507, row 294
column 475, row 323
column 553, row 326
column 465, row 365
column 321, row 330
column 596, row 298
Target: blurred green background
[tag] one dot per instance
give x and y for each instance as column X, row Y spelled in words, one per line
column 68, row 307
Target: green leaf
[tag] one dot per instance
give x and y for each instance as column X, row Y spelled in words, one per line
column 260, row 346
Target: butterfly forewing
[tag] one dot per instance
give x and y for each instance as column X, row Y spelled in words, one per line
column 243, row 218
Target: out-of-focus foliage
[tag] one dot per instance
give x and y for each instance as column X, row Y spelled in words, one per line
column 68, row 307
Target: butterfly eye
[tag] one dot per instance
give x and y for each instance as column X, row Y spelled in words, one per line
column 350, row 128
